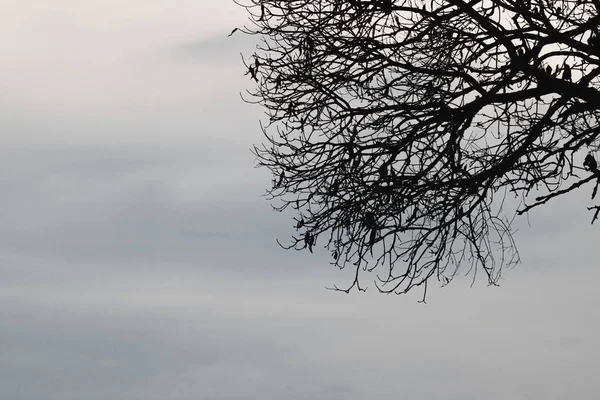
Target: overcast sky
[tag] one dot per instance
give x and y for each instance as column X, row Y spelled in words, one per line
column 138, row 258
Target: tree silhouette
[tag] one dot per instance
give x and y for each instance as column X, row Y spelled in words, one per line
column 396, row 129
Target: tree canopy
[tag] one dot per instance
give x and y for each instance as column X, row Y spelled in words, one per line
column 396, row 129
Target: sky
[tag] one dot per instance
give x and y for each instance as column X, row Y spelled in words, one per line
column 138, row 258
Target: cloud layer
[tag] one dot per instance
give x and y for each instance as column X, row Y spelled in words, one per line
column 138, row 260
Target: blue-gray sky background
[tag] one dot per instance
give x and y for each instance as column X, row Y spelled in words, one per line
column 138, row 260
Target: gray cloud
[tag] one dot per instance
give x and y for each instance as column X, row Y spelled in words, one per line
column 215, row 50
column 151, row 272
column 138, row 261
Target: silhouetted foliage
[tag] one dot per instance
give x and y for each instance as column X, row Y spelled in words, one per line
column 396, row 129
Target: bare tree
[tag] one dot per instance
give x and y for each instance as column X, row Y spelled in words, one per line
column 397, row 128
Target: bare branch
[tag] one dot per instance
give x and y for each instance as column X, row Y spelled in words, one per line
column 395, row 128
